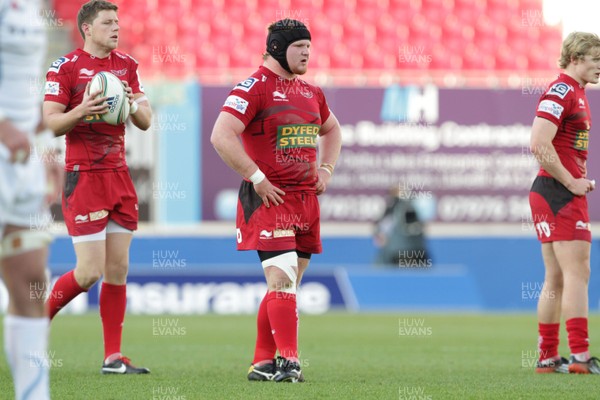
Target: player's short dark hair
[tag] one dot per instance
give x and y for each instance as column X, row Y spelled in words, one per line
column 89, row 11
column 577, row 45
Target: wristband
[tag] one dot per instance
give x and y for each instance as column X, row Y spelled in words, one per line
column 133, row 108
column 328, row 167
column 257, row 177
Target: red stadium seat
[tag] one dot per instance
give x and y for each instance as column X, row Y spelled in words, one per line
column 373, row 58
column 541, row 61
column 436, row 11
column 507, row 59
column 244, row 59
column 419, row 27
column 477, row 59
column 550, row 40
column 204, row 11
column 502, row 35
column 376, row 57
column 444, row 59
column 268, row 5
column 469, row 10
column 353, row 26
column 319, row 61
column 255, row 26
column 511, row 5
column 340, row 57
column 337, row 10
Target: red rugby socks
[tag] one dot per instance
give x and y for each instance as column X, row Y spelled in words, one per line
column 113, row 301
column 265, row 344
column 65, row 289
column 283, row 316
column 548, row 340
column 577, row 329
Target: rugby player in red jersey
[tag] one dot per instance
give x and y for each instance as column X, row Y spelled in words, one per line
column 559, row 140
column 99, row 199
column 281, row 120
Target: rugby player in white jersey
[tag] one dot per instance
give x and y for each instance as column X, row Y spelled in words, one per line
column 24, row 196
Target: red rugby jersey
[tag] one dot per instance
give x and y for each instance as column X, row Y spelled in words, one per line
column 566, row 105
column 91, row 144
column 283, row 118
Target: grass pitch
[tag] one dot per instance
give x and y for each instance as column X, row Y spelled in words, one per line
column 344, row 356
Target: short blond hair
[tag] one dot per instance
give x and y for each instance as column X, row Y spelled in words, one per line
column 576, row 46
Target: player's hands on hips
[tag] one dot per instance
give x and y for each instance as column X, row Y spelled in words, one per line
column 91, row 104
column 268, row 193
column 16, row 141
column 323, row 178
column 579, row 187
column 128, row 92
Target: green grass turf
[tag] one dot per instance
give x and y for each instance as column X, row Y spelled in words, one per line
column 344, row 356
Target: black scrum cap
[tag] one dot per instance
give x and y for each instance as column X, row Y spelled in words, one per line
column 283, row 33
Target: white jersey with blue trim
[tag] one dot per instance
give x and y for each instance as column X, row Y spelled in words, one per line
column 22, row 53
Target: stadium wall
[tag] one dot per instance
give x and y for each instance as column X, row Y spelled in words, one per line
column 197, row 275
column 461, row 154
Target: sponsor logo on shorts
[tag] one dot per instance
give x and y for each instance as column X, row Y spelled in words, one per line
column 238, row 234
column 79, row 219
column 560, row 89
column 277, row 233
column 16, row 243
column 264, row 234
column 52, row 88
column 297, row 135
column 237, row 103
column 96, row 215
column 551, row 107
column 586, row 226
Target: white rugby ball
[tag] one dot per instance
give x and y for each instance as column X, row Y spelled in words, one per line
column 118, row 105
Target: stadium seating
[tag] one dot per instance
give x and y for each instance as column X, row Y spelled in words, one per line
column 366, row 36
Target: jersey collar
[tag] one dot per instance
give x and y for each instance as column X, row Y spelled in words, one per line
column 85, row 53
column 267, row 72
column 569, row 79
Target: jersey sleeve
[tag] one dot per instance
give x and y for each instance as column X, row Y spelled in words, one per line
column 555, row 104
column 58, row 79
column 134, row 77
column 244, row 100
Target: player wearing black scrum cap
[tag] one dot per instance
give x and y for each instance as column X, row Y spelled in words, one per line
column 281, row 121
